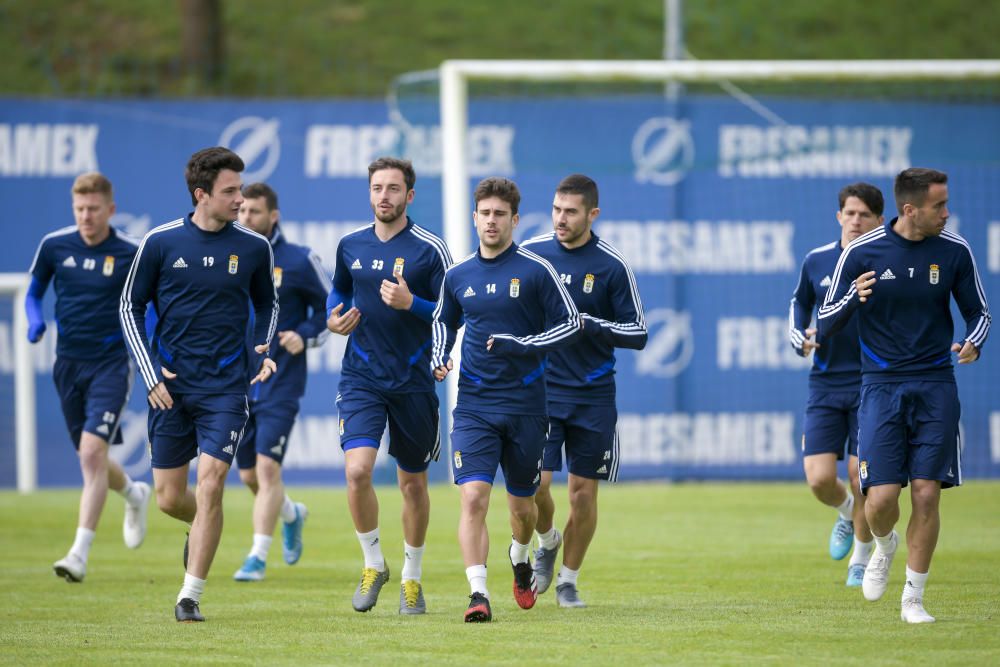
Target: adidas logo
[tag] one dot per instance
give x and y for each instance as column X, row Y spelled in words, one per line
column 69, row 261
column 825, row 282
column 181, row 264
column 603, row 470
column 950, row 473
column 469, row 291
column 103, row 429
column 887, row 275
column 356, row 265
column 228, row 449
column 276, row 449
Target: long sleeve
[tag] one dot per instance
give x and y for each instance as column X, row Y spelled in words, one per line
column 800, row 310
column 313, row 330
column 560, row 313
column 264, row 297
column 628, row 328
column 342, row 285
column 33, row 309
column 447, row 318
column 841, row 299
column 971, row 300
column 138, row 291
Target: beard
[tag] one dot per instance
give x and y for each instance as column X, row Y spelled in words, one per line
column 390, row 216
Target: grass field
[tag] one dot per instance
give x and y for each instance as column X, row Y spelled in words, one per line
column 693, row 574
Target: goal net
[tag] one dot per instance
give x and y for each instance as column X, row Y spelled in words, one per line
column 17, row 388
column 715, row 188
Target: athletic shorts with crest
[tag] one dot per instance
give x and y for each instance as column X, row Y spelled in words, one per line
column 93, row 395
column 909, row 430
column 211, row 424
column 267, row 432
column 831, row 423
column 414, row 436
column 589, row 436
column 483, row 441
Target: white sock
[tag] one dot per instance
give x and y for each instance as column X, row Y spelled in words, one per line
column 862, row 552
column 549, row 539
column 81, row 545
column 518, row 552
column 915, row 582
column 566, row 576
column 372, row 549
column 886, row 543
column 193, row 588
column 261, row 545
column 288, row 513
column 412, row 559
column 130, row 492
column 846, row 508
column 476, row 574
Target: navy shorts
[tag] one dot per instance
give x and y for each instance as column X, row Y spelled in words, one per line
column 831, row 422
column 589, row 436
column 481, row 441
column 414, row 436
column 909, row 430
column 267, row 431
column 93, row 395
column 212, row 423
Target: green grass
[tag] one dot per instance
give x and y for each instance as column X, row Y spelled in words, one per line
column 321, row 48
column 694, row 574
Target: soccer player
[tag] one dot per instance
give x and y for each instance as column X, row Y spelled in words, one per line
column 386, row 281
column 515, row 309
column 302, row 290
column 908, row 417
column 580, row 379
column 92, row 373
column 200, row 272
column 831, row 418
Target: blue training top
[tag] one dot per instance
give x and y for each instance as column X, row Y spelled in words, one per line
column 390, row 349
column 517, row 299
column 302, row 286
column 88, row 282
column 602, row 286
column 200, row 284
column 905, row 328
column 837, row 362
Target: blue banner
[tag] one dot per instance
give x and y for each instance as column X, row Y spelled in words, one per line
column 714, row 206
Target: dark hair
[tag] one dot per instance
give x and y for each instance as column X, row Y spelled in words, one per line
column 500, row 187
column 578, row 184
column 912, row 185
column 258, row 190
column 204, row 166
column 405, row 166
column 866, row 192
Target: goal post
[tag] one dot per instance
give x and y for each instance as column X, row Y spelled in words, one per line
column 15, row 285
column 456, row 74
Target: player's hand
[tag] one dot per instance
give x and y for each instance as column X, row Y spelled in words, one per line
column 396, row 295
column 159, row 397
column 809, row 345
column 967, row 353
column 36, row 332
column 261, row 349
column 267, row 369
column 489, row 343
column 291, row 341
column 343, row 324
column 863, row 285
column 441, row 372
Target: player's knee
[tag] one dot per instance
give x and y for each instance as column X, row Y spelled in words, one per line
column 524, row 513
column 924, row 497
column 414, row 489
column 358, row 475
column 169, row 500
column 821, row 481
column 268, row 472
column 249, row 477
column 583, row 499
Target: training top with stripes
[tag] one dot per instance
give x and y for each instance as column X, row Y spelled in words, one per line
column 200, row 284
column 603, row 287
column 905, row 328
column 837, row 361
column 390, row 349
column 87, row 282
column 302, row 286
column 517, row 299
